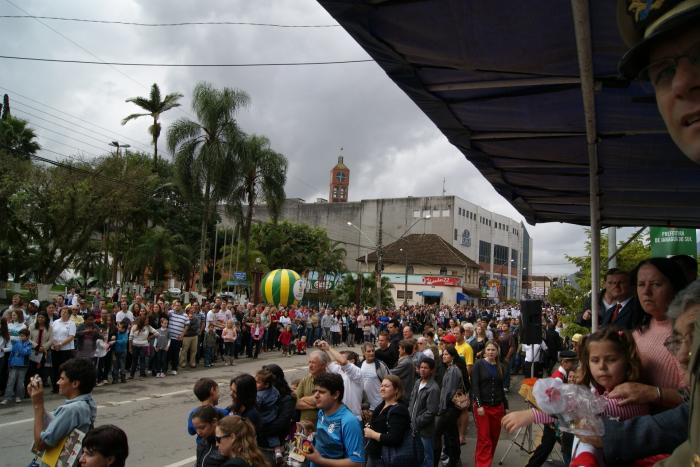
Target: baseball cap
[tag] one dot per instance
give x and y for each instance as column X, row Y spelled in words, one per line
column 35, row 302
column 449, row 339
column 577, row 338
column 642, row 23
column 567, row 355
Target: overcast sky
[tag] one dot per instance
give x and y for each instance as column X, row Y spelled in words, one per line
column 308, row 112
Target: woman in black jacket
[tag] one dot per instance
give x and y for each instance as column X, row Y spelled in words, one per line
column 489, row 403
column 456, row 378
column 281, row 425
column 204, row 420
column 390, row 423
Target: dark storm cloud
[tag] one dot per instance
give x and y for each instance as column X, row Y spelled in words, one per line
column 308, row 113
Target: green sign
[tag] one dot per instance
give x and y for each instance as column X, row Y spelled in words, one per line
column 668, row 241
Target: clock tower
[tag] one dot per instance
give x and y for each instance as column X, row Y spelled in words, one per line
column 340, row 181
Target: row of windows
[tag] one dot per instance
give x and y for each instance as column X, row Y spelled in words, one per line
column 468, row 214
column 500, row 254
column 435, row 212
column 409, row 294
column 338, row 192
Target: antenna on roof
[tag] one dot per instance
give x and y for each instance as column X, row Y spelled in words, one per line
column 443, row 186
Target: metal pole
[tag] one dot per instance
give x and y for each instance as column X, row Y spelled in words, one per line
column 223, row 263
column 216, row 245
column 612, row 246
column 582, row 28
column 380, row 256
column 405, row 279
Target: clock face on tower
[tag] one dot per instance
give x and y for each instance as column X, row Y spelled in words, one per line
column 340, row 177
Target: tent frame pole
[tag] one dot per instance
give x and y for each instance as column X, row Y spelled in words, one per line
column 582, row 28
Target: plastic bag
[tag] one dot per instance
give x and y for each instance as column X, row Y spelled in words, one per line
column 575, row 407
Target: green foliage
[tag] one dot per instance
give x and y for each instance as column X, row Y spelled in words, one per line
column 17, row 138
column 154, row 107
column 566, row 296
column 637, row 250
column 345, row 293
column 298, row 247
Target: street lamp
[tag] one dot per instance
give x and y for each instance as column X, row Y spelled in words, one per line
column 117, row 145
column 380, row 254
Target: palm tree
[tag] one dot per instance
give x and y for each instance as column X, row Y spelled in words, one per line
column 205, row 151
column 154, row 106
column 17, row 138
column 263, row 175
column 158, row 249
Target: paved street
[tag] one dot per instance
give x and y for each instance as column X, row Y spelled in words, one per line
column 152, row 412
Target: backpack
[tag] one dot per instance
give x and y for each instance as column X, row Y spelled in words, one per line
column 381, row 369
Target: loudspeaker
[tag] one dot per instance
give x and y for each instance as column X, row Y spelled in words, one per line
column 531, row 317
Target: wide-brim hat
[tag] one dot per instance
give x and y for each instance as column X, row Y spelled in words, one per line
column 642, row 22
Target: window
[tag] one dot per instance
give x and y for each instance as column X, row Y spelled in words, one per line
column 416, row 214
column 445, row 213
column 340, row 176
column 426, row 212
column 514, row 259
column 500, row 255
column 455, row 234
column 409, row 269
column 459, row 211
column 409, row 294
column 484, row 252
column 436, row 213
column 443, row 270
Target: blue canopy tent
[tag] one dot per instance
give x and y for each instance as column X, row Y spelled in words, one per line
column 529, row 92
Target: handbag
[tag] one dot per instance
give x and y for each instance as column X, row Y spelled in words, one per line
column 409, row 452
column 460, row 399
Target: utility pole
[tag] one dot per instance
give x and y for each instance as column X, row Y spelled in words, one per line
column 612, row 247
column 216, row 246
column 443, row 186
column 380, row 256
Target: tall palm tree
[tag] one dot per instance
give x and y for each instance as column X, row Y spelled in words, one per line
column 205, row 151
column 263, row 175
column 154, row 106
column 17, row 138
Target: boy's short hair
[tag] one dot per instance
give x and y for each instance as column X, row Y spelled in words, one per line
column 81, row 370
column 332, row 382
column 24, row 332
column 203, row 388
column 428, row 361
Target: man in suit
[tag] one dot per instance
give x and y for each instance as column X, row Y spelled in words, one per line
column 620, row 307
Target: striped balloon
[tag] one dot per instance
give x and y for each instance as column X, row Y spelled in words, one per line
column 278, row 287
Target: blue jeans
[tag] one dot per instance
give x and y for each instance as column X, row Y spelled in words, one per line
column 161, row 361
column 119, row 365
column 209, row 355
column 15, row 382
column 506, row 373
column 428, row 451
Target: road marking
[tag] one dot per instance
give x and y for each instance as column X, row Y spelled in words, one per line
column 16, row 422
column 189, row 460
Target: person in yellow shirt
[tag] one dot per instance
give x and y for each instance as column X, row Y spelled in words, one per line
column 463, row 348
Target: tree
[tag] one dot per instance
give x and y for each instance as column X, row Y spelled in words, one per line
column 628, row 258
column 263, row 175
column 17, row 138
column 154, row 107
column 205, row 151
column 160, row 251
column 346, row 292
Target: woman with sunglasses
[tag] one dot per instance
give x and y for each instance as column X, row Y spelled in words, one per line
column 236, row 439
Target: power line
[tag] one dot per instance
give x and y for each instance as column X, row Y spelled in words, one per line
column 184, row 23
column 69, row 146
column 14, row 98
column 68, row 137
column 183, row 65
column 99, row 140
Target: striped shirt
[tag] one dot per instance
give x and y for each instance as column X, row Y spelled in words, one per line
column 613, row 410
column 177, row 323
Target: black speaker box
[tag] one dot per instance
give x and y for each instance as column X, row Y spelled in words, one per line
column 531, row 317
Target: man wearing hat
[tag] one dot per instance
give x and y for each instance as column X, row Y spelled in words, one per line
column 32, row 310
column 664, row 41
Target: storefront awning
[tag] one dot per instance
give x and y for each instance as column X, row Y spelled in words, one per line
column 430, row 293
column 461, row 297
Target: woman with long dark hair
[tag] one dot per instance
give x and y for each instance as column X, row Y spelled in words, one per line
column 657, row 281
column 454, row 380
column 40, row 337
column 243, row 394
column 5, row 348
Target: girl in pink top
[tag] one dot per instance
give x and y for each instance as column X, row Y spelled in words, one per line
column 229, row 334
column 608, row 359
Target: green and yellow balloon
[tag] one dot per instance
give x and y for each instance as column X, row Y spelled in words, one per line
column 281, row 287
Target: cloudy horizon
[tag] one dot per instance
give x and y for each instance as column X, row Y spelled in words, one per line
column 307, row 112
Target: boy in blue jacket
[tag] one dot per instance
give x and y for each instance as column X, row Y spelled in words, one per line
column 19, row 364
